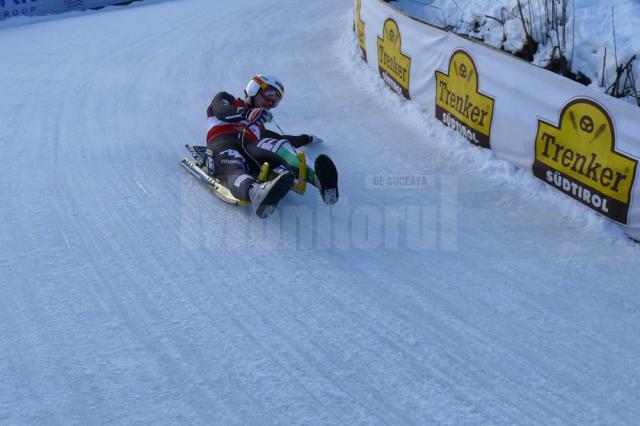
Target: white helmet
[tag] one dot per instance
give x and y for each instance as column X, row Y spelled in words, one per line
column 262, row 81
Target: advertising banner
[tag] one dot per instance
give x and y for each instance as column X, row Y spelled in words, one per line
column 13, row 8
column 573, row 138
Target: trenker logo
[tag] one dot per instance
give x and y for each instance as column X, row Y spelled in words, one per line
column 578, row 157
column 393, row 65
column 459, row 102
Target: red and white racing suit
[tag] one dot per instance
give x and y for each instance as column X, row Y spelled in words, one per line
column 239, row 147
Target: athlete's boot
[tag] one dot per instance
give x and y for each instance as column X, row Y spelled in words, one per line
column 326, row 179
column 265, row 196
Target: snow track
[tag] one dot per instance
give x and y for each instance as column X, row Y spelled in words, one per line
column 131, row 295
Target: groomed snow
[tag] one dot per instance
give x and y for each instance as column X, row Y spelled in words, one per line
column 131, row 295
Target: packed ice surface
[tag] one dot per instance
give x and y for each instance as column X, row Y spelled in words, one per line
column 446, row 287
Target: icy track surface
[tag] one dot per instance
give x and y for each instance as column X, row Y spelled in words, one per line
column 129, row 295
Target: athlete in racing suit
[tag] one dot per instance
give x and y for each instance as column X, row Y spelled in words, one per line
column 239, row 142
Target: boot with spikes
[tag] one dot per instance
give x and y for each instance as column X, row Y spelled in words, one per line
column 265, row 196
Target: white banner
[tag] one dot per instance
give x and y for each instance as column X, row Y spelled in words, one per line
column 13, row 8
column 574, row 138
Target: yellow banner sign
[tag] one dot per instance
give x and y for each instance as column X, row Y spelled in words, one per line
column 359, row 28
column 459, row 102
column 393, row 65
column 578, row 157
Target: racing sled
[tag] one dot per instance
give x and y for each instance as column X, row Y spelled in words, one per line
column 196, row 166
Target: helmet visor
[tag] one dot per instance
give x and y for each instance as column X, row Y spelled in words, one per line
column 272, row 94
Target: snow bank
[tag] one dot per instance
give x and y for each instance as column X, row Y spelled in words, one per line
column 590, row 45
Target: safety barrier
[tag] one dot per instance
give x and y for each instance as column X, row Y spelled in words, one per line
column 572, row 137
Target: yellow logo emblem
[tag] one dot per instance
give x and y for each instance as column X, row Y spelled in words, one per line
column 394, row 66
column 358, row 26
column 578, row 157
column 459, row 103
